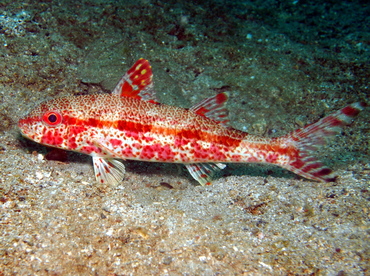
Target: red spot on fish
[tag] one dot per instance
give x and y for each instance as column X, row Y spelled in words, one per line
column 250, row 159
column 72, row 142
column 166, row 153
column 90, row 149
column 132, row 134
column 116, row 142
column 52, row 137
column 148, row 152
column 148, row 139
column 199, row 152
column 271, row 157
column 217, row 152
column 75, row 130
column 185, row 157
column 181, row 141
column 127, row 152
column 163, row 153
column 137, row 145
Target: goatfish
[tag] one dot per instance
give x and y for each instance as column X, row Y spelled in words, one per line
column 131, row 124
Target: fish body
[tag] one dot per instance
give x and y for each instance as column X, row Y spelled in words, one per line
column 131, row 124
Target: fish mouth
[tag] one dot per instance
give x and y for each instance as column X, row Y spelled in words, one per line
column 26, row 124
column 23, row 127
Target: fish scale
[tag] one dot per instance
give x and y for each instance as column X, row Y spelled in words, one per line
column 131, row 124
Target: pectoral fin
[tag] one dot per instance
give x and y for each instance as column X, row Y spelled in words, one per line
column 108, row 170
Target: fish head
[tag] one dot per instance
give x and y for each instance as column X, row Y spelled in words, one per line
column 47, row 123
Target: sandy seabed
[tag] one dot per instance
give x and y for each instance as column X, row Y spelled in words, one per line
column 284, row 65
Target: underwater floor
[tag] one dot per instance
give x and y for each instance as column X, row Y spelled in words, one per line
column 284, row 63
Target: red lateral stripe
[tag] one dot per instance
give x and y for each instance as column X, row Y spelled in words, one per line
column 133, row 129
column 91, row 122
column 124, row 125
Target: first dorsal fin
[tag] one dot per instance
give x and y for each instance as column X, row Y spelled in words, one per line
column 214, row 108
column 137, row 82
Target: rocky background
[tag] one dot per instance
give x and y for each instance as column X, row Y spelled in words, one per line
column 284, row 63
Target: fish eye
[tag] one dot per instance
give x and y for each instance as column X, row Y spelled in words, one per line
column 52, row 118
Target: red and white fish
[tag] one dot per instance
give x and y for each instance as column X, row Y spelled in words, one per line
column 131, row 124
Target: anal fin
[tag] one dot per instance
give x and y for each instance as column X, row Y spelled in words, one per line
column 204, row 172
column 108, row 170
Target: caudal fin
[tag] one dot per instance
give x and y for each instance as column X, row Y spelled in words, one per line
column 309, row 138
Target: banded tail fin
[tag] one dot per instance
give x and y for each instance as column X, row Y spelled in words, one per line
column 309, row 138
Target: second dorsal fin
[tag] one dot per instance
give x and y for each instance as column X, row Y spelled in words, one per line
column 214, row 108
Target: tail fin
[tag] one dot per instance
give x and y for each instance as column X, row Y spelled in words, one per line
column 309, row 138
